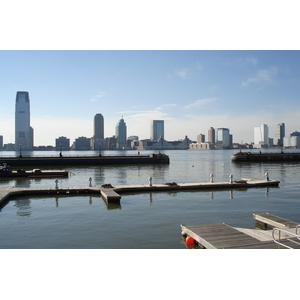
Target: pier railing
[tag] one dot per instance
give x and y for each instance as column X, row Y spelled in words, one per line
column 278, row 240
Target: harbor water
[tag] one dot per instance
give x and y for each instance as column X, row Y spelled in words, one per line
column 144, row 220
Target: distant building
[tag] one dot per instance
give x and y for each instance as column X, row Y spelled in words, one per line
column 99, row 127
column 201, row 146
column 279, row 134
column 23, row 130
column 261, row 136
column 162, row 144
column 1, row 142
column 223, row 138
column 82, row 143
column 111, row 143
column 295, row 133
column 133, row 138
column 62, row 144
column 292, row 141
column 121, row 134
column 201, row 138
column 211, row 135
column 157, row 130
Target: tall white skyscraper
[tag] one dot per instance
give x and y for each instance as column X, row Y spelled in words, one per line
column 23, row 131
column 157, row 130
column 121, row 134
column 261, row 136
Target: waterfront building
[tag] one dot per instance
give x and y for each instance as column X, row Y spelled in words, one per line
column 1, row 142
column 201, row 138
column 292, row 141
column 201, row 146
column 261, row 136
column 162, row 144
column 279, row 134
column 121, row 134
column 23, row 130
column 157, row 130
column 62, row 144
column 223, row 138
column 82, row 143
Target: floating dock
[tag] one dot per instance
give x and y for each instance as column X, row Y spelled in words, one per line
column 223, row 236
column 84, row 160
column 265, row 157
column 112, row 193
column 267, row 220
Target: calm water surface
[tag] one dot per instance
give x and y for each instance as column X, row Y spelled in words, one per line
column 149, row 220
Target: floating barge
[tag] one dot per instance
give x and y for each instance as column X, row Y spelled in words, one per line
column 265, row 157
column 84, row 160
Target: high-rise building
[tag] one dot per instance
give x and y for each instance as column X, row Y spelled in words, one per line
column 23, row 131
column 121, row 134
column 279, row 134
column 223, row 138
column 261, row 136
column 99, row 127
column 157, row 130
column 211, row 135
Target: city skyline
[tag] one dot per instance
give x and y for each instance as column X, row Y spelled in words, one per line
column 190, row 90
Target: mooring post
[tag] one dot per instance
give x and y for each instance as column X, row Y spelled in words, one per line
column 90, row 180
column 56, row 183
column 230, row 178
column 211, row 178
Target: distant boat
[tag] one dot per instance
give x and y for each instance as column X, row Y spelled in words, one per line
column 265, row 157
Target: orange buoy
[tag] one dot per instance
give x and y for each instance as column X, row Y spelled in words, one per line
column 189, row 240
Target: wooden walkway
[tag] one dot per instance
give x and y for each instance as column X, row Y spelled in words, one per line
column 223, row 236
column 112, row 194
column 271, row 221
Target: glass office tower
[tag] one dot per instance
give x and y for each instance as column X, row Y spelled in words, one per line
column 23, row 131
column 157, row 130
column 121, row 134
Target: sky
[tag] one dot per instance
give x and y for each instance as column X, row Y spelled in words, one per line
column 191, row 90
column 195, row 66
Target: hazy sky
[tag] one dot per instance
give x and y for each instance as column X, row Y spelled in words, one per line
column 190, row 90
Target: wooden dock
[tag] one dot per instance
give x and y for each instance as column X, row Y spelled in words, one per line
column 112, row 193
column 270, row 221
column 223, row 236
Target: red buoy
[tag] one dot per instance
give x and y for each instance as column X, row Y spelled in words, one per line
column 189, row 240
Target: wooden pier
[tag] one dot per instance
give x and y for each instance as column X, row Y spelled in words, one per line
column 270, row 221
column 112, row 193
column 223, row 236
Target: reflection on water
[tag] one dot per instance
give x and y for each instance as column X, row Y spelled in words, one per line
column 23, row 207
